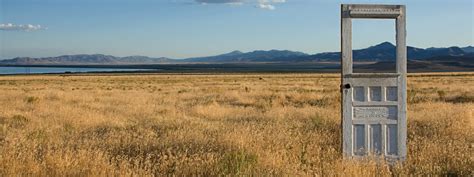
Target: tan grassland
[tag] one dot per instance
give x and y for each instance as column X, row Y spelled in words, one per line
column 224, row 124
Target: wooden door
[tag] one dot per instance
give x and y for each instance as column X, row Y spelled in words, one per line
column 373, row 104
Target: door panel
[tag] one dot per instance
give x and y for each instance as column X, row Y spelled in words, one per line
column 392, row 139
column 359, row 147
column 375, row 139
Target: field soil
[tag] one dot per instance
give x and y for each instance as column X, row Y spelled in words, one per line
column 218, row 124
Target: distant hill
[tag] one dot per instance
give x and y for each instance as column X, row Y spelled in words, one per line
column 468, row 49
column 378, row 53
column 143, row 59
column 386, row 51
column 255, row 56
column 85, row 60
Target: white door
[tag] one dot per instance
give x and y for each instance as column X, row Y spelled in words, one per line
column 373, row 104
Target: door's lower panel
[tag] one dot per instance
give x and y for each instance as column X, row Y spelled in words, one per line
column 372, row 141
column 375, row 136
column 374, row 115
column 392, row 140
column 359, row 147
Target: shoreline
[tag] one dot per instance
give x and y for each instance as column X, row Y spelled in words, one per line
column 142, row 73
column 230, row 68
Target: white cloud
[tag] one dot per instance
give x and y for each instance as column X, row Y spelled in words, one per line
column 262, row 4
column 220, row 1
column 14, row 27
column 271, row 1
column 268, row 4
column 265, row 6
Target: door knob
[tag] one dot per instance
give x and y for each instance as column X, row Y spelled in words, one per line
column 347, row 86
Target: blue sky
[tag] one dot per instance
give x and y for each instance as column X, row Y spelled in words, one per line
column 188, row 28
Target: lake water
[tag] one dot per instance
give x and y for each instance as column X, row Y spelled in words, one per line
column 46, row 70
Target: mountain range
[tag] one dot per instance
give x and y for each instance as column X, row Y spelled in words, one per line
column 383, row 52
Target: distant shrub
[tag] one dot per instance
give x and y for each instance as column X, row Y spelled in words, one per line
column 414, row 97
column 463, row 98
column 319, row 102
column 247, row 89
column 441, row 95
column 237, row 163
column 317, row 122
column 18, row 121
column 39, row 135
column 31, row 99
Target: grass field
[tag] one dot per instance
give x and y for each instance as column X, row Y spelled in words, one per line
column 249, row 124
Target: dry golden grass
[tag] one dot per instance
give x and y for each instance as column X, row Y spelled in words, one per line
column 261, row 124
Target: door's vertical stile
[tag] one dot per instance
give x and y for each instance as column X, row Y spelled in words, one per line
column 346, row 41
column 346, row 61
column 402, row 69
column 348, row 144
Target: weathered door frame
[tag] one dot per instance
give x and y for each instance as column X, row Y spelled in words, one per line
column 397, row 12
